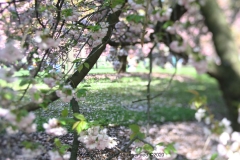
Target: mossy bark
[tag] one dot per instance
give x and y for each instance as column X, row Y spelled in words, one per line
column 228, row 72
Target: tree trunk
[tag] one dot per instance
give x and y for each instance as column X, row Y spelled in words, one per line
column 228, row 72
column 123, row 61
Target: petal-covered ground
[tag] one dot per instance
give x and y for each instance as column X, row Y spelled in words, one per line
column 190, row 142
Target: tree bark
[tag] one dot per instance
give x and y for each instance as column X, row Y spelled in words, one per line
column 123, row 61
column 75, row 143
column 228, row 72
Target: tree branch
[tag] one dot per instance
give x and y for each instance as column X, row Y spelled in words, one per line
column 77, row 77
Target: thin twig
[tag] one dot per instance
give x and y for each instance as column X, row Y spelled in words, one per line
column 149, row 86
column 37, row 14
column 161, row 93
column 205, row 145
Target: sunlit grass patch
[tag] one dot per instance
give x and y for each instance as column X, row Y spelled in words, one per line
column 110, row 101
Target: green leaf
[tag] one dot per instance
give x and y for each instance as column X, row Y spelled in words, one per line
column 8, row 96
column 36, row 96
column 42, row 8
column 166, row 151
column 77, row 60
column 135, row 128
column 81, row 92
column 27, row 144
column 133, row 135
column 30, row 145
column 167, row 24
column 57, row 142
column 24, row 82
column 138, row 150
column 80, row 68
column 139, row 1
column 63, row 149
column 148, row 148
column 134, row 18
column 64, row 112
column 137, row 134
column 197, row 104
column 68, row 92
column 198, row 101
column 94, row 28
column 66, row 121
column 86, row 65
column 75, row 125
column 79, row 116
column 170, row 148
column 67, row 12
column 81, row 126
column 214, row 156
column 93, row 123
column 44, row 104
column 114, row 3
column 161, row 144
column 141, row 135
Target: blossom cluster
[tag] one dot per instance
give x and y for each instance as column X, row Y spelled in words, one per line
column 229, row 146
column 116, row 8
column 116, row 65
column 35, row 94
column 11, row 53
column 6, row 74
column 200, row 66
column 122, row 52
column 51, row 82
column 113, row 54
column 135, row 5
column 44, row 41
column 24, row 124
column 200, row 114
column 53, row 75
column 229, row 141
column 158, row 151
column 74, row 17
column 120, row 28
column 98, row 35
column 7, row 96
column 175, row 46
column 96, row 138
column 185, row 3
column 226, row 124
column 66, row 94
column 162, row 15
column 175, row 28
column 54, row 155
column 53, row 128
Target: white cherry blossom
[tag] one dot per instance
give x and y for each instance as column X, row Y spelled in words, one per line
column 200, row 114
column 53, row 128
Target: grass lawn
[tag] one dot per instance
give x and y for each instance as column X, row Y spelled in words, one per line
column 185, row 70
column 110, row 101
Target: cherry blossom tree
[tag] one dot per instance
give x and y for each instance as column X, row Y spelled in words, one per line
column 47, row 33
